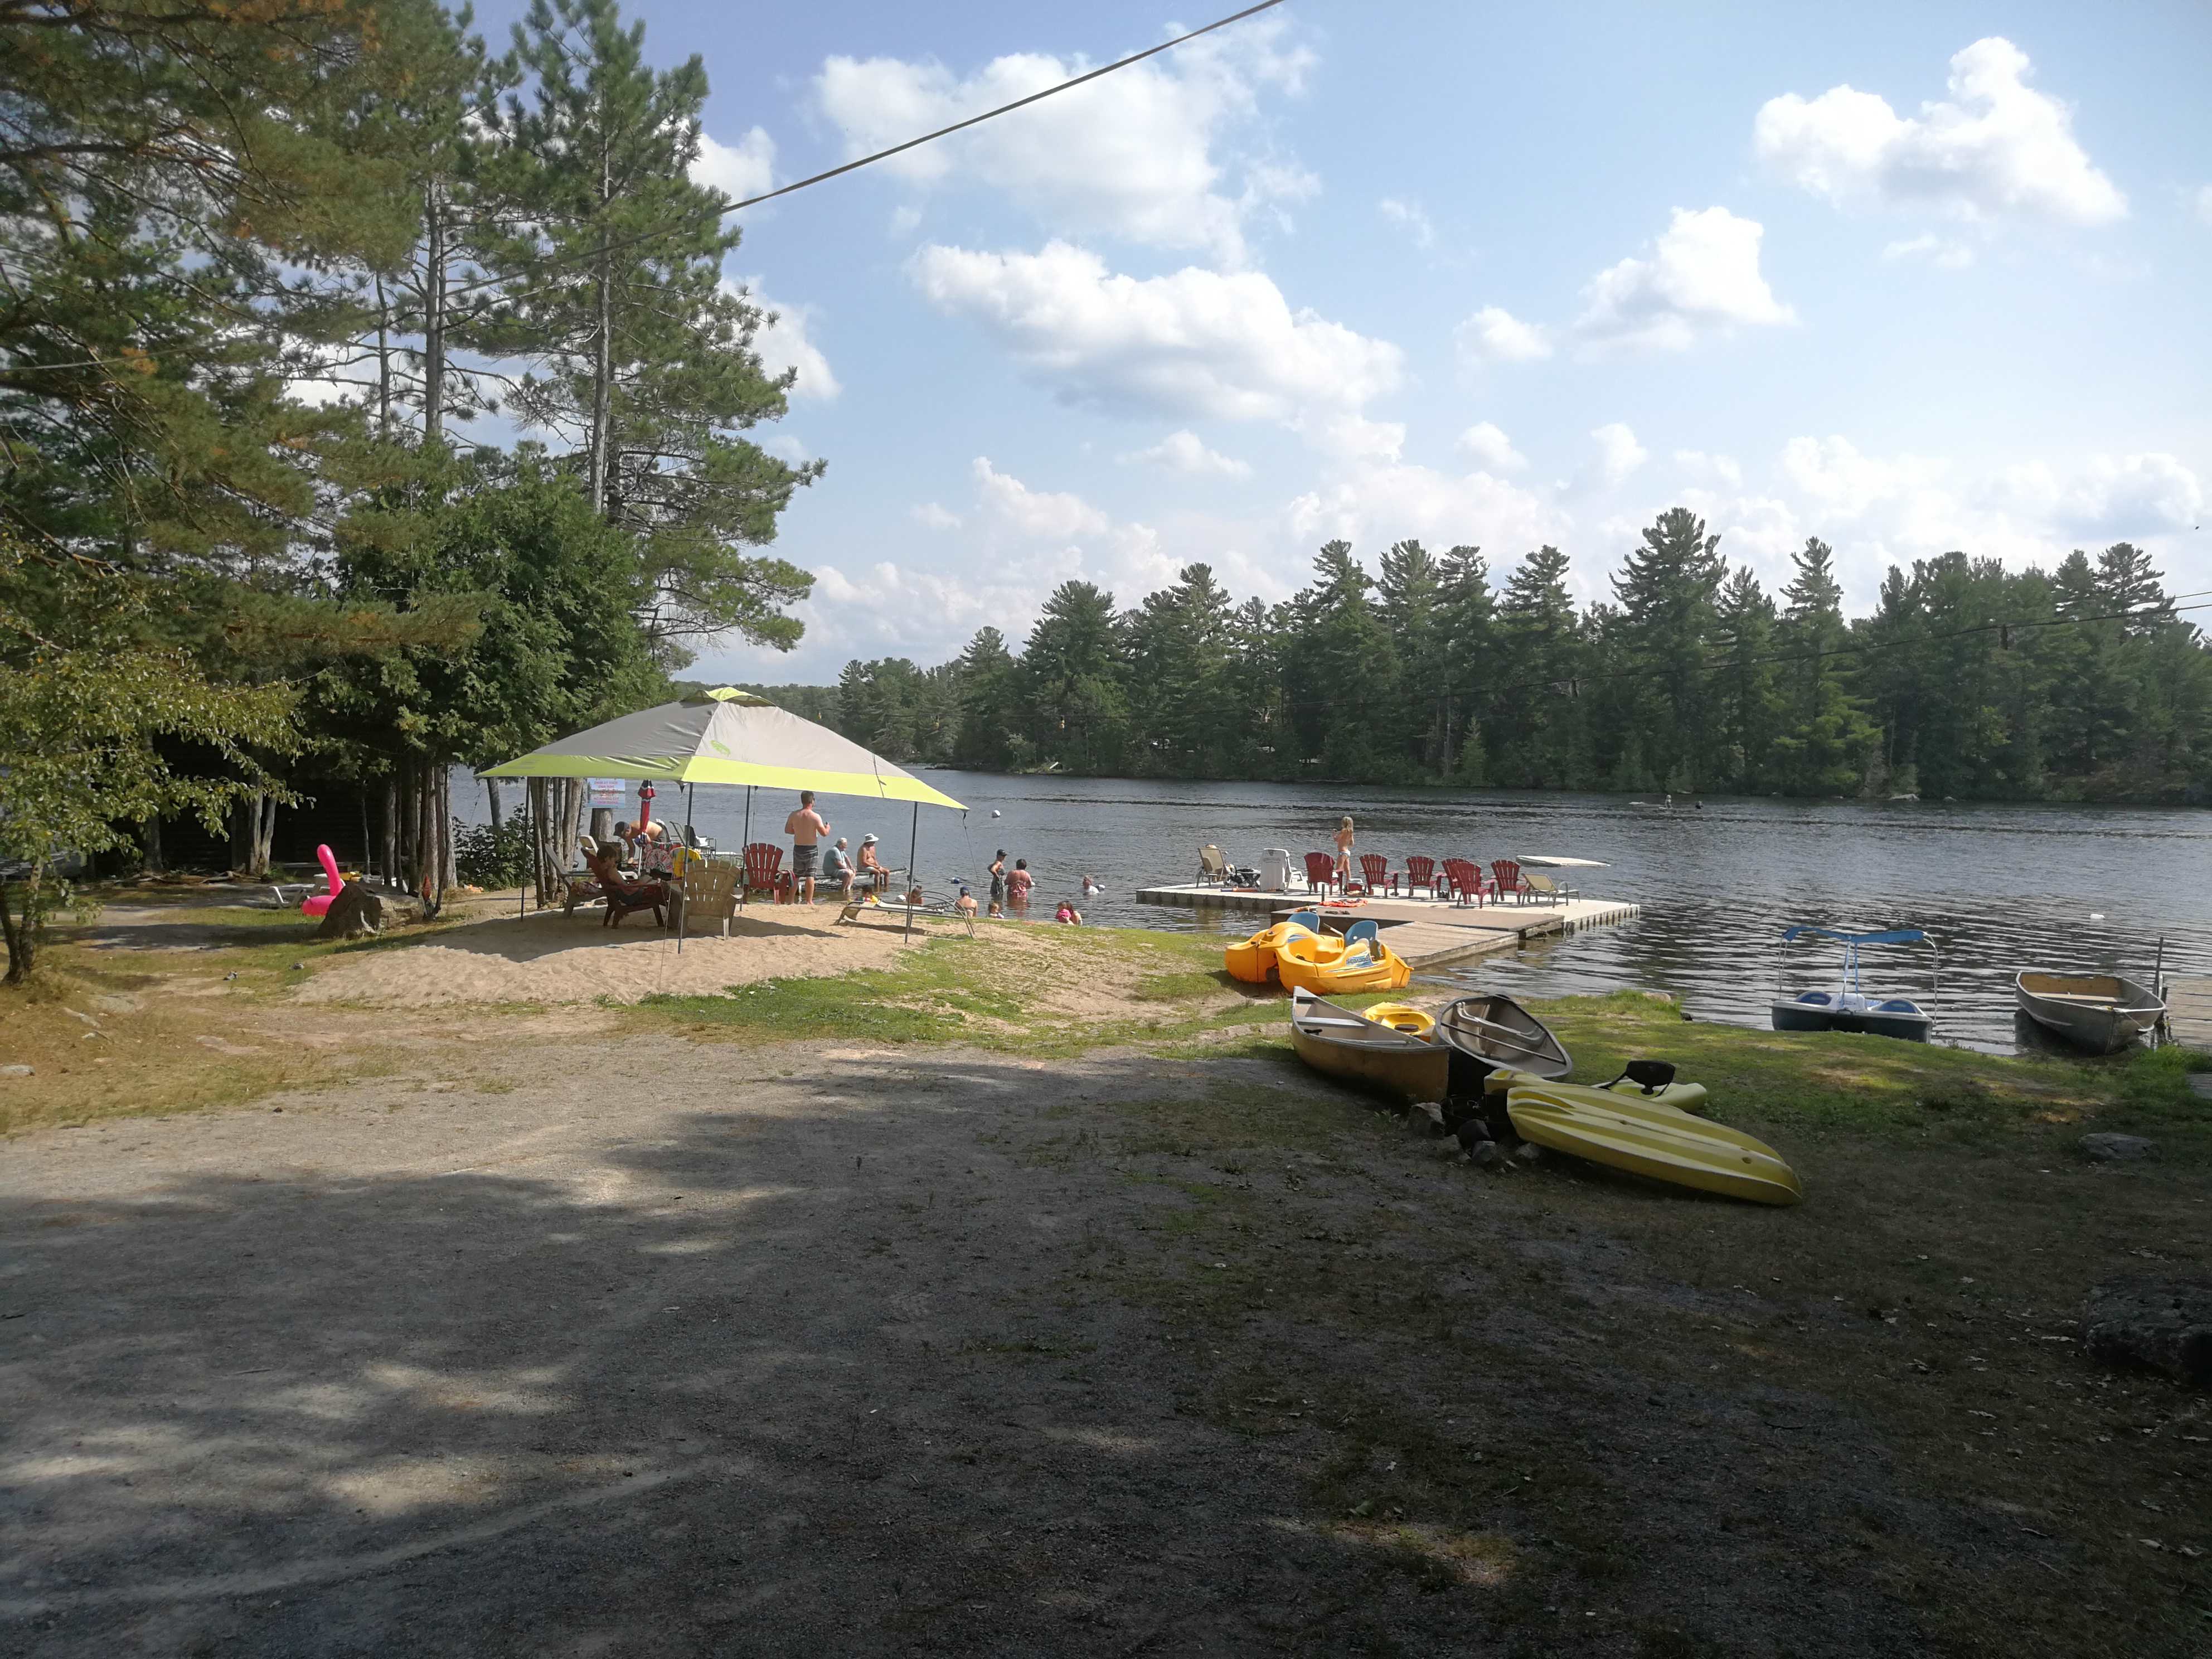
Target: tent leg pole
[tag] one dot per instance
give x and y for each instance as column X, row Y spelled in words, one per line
column 913, row 870
column 530, row 835
column 745, row 844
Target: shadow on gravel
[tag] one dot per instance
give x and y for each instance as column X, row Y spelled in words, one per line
column 769, row 1381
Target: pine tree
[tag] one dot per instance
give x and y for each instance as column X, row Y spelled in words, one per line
column 1666, row 588
column 1747, row 706
column 1827, row 738
column 1538, row 738
column 1465, row 620
column 613, row 285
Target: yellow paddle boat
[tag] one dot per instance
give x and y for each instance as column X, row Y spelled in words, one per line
column 1357, row 962
column 1403, row 1017
column 1252, row 960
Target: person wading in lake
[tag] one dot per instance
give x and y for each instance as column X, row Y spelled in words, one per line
column 998, row 880
column 805, row 827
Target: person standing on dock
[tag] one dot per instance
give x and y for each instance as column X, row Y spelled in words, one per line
column 1343, row 852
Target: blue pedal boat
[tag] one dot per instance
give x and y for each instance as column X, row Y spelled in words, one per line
column 1849, row 1008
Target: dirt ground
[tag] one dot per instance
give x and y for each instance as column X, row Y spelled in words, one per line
column 624, row 1345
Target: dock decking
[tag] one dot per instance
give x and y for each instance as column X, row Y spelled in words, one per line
column 1427, row 933
column 2189, row 1012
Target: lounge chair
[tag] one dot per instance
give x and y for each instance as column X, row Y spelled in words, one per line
column 1213, row 869
column 628, row 897
column 1544, row 887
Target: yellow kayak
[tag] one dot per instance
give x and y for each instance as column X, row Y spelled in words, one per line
column 1252, row 960
column 1682, row 1097
column 1328, row 966
column 1647, row 1138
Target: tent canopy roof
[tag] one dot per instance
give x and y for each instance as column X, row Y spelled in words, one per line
column 724, row 736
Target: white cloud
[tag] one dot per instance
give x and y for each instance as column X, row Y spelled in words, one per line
column 1848, row 485
column 1494, row 335
column 1373, row 506
column 1195, row 342
column 2109, row 498
column 1698, row 464
column 1134, row 155
column 1413, row 216
column 1619, row 454
column 1036, row 512
column 935, row 517
column 1941, row 251
column 1701, row 279
column 1488, row 447
column 783, row 341
column 1998, row 149
column 739, row 172
column 1186, row 452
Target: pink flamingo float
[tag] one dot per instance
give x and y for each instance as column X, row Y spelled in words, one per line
column 317, row 903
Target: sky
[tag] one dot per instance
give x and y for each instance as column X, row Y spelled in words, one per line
column 1908, row 277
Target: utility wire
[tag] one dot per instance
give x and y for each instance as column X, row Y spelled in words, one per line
column 723, row 211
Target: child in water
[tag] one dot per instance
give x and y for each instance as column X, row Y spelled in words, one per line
column 1068, row 913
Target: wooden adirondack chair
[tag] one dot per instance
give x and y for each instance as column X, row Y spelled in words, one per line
column 1321, row 871
column 764, row 871
column 1505, row 877
column 1376, row 869
column 710, row 894
column 1421, row 872
column 1464, row 876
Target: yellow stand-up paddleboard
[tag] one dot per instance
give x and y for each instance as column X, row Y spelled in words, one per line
column 1647, row 1138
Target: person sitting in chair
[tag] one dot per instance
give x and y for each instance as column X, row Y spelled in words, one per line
column 872, row 869
column 625, row 896
column 837, row 866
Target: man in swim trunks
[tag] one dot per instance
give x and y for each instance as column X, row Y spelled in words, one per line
column 805, row 827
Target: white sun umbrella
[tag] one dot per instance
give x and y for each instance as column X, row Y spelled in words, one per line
column 727, row 736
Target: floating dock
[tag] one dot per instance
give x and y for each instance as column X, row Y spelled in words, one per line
column 1428, row 932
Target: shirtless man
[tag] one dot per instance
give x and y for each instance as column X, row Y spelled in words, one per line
column 805, row 827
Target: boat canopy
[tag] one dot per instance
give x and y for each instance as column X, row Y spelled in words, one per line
column 1893, row 936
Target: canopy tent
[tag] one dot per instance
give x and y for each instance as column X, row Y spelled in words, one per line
column 726, row 736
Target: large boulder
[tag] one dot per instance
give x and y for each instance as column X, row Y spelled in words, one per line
column 2118, row 1149
column 355, row 912
column 2157, row 1324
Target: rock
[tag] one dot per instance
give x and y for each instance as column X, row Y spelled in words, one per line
column 2118, row 1149
column 355, row 912
column 2157, row 1324
column 1527, row 1152
column 1473, row 1133
column 1487, row 1153
column 18, row 1070
column 1426, row 1118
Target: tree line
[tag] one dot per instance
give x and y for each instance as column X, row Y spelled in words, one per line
column 370, row 402
column 1968, row 680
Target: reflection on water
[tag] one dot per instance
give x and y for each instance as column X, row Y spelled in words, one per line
column 1996, row 888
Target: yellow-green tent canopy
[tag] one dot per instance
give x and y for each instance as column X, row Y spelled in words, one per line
column 724, row 735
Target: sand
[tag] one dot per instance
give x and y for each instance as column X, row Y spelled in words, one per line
column 547, row 957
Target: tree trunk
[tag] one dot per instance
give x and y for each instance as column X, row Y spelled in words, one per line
column 433, row 315
column 548, row 873
column 264, row 833
column 150, row 845
column 602, row 348
column 388, row 859
column 19, row 933
column 383, row 362
column 491, row 794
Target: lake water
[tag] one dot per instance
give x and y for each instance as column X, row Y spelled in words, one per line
column 1997, row 888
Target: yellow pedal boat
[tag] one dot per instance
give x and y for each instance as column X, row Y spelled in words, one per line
column 1647, row 1138
column 1324, row 965
column 1252, row 960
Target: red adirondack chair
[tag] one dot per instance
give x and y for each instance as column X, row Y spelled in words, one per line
column 1464, row 878
column 764, row 872
column 1321, row 871
column 1376, row 869
column 1421, row 872
column 1505, row 877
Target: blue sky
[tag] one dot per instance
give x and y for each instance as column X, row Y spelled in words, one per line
column 1907, row 277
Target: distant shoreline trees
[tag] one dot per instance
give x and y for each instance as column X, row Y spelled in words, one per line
column 1967, row 680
